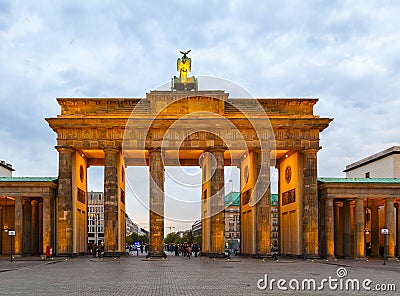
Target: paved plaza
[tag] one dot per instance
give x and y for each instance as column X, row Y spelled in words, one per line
column 182, row 276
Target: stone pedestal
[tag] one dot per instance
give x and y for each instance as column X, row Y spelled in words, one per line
column 156, row 167
column 217, row 205
column 111, row 188
column 310, row 203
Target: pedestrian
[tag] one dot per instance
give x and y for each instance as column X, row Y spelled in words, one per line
column 99, row 250
column 189, row 251
column 141, row 249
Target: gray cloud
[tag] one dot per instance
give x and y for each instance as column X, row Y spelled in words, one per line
column 345, row 53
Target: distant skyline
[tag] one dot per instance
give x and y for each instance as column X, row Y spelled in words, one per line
column 346, row 53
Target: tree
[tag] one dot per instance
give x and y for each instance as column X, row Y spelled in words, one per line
column 197, row 239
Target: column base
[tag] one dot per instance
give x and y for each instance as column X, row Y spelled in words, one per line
column 156, row 255
column 310, row 256
column 217, row 255
column 115, row 254
column 360, row 258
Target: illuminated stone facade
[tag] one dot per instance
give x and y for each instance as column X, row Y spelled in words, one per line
column 91, row 132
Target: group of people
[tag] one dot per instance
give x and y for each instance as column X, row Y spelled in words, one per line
column 131, row 249
column 185, row 249
column 96, row 249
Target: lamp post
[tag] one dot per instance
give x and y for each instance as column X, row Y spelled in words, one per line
column 170, row 228
column 385, row 232
column 95, row 218
column 11, row 234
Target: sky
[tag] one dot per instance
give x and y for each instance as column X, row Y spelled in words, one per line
column 346, row 53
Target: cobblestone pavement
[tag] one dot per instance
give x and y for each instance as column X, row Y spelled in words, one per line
column 181, row 276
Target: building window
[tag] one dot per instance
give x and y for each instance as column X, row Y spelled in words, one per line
column 367, row 175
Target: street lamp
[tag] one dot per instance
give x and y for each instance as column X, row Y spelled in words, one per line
column 170, row 228
column 11, row 234
column 95, row 218
column 385, row 232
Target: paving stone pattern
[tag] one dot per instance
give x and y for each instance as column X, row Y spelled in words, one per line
column 180, row 276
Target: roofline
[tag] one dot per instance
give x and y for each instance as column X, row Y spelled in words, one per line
column 382, row 154
column 29, row 179
column 359, row 180
column 7, row 166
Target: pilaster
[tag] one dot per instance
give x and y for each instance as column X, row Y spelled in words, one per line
column 35, row 228
column 217, row 204
column 398, row 230
column 329, row 227
column 338, row 230
column 27, row 227
column 18, row 247
column 390, row 222
column 310, row 203
column 47, row 227
column 346, row 229
column 65, row 203
column 359, row 225
column 263, row 211
column 156, row 168
column 375, row 232
column 111, row 188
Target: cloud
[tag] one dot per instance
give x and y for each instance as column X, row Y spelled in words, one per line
column 347, row 53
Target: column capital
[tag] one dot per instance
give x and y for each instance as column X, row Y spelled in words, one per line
column 259, row 149
column 114, row 149
column 154, row 149
column 217, row 149
column 310, row 150
column 65, row 149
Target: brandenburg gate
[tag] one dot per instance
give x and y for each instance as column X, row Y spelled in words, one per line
column 185, row 126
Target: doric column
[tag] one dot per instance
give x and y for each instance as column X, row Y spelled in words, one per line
column 263, row 210
column 375, row 232
column 35, row 227
column 41, row 228
column 47, row 229
column 329, row 227
column 390, row 223
column 156, row 168
column 346, row 229
column 359, row 226
column 217, row 204
column 310, row 203
column 111, row 188
column 18, row 225
column 64, row 205
column 27, row 227
column 338, row 230
column 398, row 230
